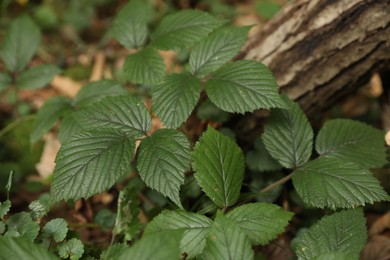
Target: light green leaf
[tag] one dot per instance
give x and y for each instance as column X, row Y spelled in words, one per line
column 19, row 248
column 38, row 209
column 95, row 91
column 352, row 140
column 344, row 232
column 73, row 249
column 288, row 135
column 267, row 9
column 130, row 24
column 21, row 225
column 162, row 160
column 2, row 228
column 259, row 159
column 55, row 229
column 195, row 227
column 183, row 28
column 47, row 116
column 160, row 246
column 227, row 241
column 37, row 77
column 91, row 162
column 124, row 113
column 262, row 222
column 217, row 49
column 5, row 80
column 219, row 167
column 175, row 97
column 70, row 125
column 333, row 183
column 113, row 252
column 243, row 86
column 4, row 208
column 20, row 43
column 334, row 256
column 145, row 67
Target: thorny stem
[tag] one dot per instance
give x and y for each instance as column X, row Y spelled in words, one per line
column 277, row 183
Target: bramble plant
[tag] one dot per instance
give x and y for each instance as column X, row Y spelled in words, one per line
column 101, row 125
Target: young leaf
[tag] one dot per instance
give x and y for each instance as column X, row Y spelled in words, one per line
column 95, row 91
column 344, row 232
column 73, row 249
column 262, row 222
column 130, row 24
column 183, row 28
column 55, row 229
column 48, row 115
column 20, row 43
column 38, row 209
column 4, row 208
column 145, row 67
column 259, row 159
column 160, row 246
column 19, row 248
column 124, row 113
column 37, row 77
column 195, row 227
column 70, row 125
column 288, row 135
column 175, row 97
column 217, row 49
column 227, row 241
column 351, row 140
column 162, row 160
column 21, row 225
column 5, row 80
column 219, row 167
column 333, row 183
column 91, row 162
column 243, row 86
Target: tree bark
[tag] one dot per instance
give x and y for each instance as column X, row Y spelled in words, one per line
column 322, row 50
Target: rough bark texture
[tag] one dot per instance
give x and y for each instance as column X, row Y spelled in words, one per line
column 322, row 50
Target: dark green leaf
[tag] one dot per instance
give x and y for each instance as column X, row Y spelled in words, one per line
column 37, row 77
column 208, row 111
column 333, row 183
column 55, row 229
column 105, row 218
column 219, row 167
column 259, row 159
column 73, row 249
column 243, row 86
column 344, row 232
column 262, row 222
column 145, row 67
column 195, row 227
column 4, row 208
column 352, row 140
column 19, row 248
column 20, row 43
column 91, row 162
column 21, row 225
column 162, row 160
column 288, row 135
column 175, row 97
column 70, row 125
column 217, row 49
column 48, row 115
column 5, row 80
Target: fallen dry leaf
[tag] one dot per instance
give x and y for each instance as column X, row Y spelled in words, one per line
column 46, row 164
column 66, row 86
column 387, row 138
column 378, row 248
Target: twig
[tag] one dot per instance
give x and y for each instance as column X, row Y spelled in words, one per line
column 277, row 183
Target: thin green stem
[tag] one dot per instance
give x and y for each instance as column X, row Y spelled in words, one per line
column 277, row 183
column 14, row 124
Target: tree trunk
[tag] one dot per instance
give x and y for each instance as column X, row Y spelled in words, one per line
column 322, row 50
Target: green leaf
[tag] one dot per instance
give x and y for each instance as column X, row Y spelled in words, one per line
column 130, row 24
column 37, row 77
column 267, row 9
column 38, row 209
column 20, row 43
column 2, row 227
column 219, row 167
column 243, row 86
column 21, row 225
column 175, row 97
column 19, row 248
column 217, row 49
column 227, row 241
column 4, row 208
column 5, row 80
column 105, row 218
column 95, row 91
column 288, row 135
column 343, row 232
column 333, row 183
column 162, row 160
column 73, row 249
column 183, row 28
column 262, row 222
column 208, row 111
column 159, row 246
column 70, row 125
column 47, row 116
column 91, row 162
column 352, row 140
column 145, row 67
column 124, row 113
column 195, row 227
column 260, row 159
column 55, row 229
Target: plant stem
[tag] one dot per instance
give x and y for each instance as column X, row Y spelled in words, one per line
column 277, row 183
column 15, row 123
